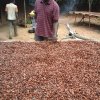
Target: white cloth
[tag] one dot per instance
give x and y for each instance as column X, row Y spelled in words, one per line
column 11, row 11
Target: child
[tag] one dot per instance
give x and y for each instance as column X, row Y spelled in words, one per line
column 32, row 15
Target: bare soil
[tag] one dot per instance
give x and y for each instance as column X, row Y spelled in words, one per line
column 82, row 29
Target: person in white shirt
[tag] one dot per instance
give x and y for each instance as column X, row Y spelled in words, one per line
column 12, row 12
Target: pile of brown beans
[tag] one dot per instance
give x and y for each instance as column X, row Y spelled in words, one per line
column 50, row 70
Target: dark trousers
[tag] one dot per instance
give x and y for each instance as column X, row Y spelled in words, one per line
column 12, row 28
column 40, row 38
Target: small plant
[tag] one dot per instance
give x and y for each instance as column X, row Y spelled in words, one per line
column 28, row 21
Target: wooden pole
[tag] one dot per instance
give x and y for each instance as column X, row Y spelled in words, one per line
column 25, row 13
column 89, row 10
column 0, row 13
column 75, row 18
column 90, row 4
column 14, row 1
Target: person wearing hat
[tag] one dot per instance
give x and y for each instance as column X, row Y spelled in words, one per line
column 32, row 16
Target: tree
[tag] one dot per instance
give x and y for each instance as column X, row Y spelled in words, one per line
column 90, row 4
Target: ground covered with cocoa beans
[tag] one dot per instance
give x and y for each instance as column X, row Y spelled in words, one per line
column 50, row 70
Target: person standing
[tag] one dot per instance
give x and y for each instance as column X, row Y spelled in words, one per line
column 12, row 14
column 47, row 15
column 32, row 15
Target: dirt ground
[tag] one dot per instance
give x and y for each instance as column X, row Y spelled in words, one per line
column 82, row 29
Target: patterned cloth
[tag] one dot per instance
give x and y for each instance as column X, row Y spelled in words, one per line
column 46, row 15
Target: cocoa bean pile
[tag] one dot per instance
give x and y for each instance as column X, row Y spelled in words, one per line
column 50, row 71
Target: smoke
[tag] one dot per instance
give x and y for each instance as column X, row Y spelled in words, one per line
column 31, row 2
column 69, row 5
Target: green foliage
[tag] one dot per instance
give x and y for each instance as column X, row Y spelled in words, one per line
column 28, row 21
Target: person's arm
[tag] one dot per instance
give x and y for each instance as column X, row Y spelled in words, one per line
column 56, row 13
column 55, row 27
column 35, row 16
column 16, row 11
column 35, row 11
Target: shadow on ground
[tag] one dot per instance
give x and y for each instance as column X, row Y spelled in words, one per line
column 86, row 24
